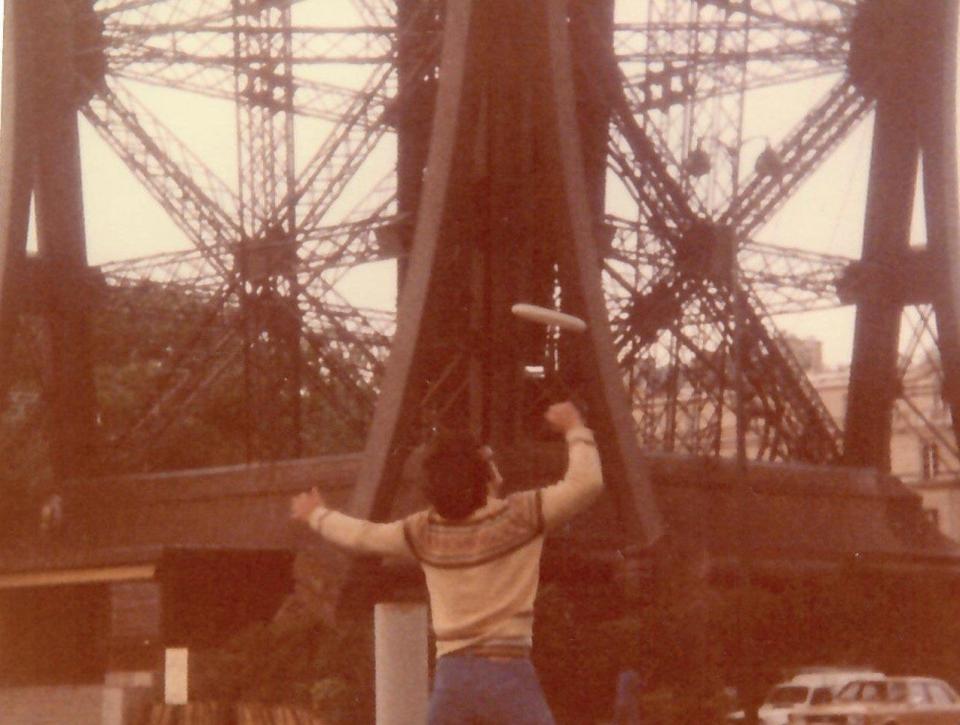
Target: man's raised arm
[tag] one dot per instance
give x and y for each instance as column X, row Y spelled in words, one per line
column 583, row 482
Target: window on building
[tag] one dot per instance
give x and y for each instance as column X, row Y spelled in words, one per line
column 930, row 460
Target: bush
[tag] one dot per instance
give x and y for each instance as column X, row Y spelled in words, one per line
column 330, row 671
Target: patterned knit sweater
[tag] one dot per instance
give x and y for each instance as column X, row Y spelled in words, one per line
column 481, row 572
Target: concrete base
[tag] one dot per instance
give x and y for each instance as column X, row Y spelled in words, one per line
column 74, row 704
column 402, row 676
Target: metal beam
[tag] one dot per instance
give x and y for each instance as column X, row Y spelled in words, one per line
column 886, row 237
column 941, row 192
column 16, row 170
column 61, row 242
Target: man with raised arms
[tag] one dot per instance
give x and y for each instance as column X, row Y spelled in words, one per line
column 480, row 555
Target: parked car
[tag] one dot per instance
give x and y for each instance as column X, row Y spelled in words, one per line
column 808, row 688
column 886, row 701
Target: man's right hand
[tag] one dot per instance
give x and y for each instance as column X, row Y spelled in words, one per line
column 563, row 417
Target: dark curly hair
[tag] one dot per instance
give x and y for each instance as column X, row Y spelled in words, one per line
column 456, row 474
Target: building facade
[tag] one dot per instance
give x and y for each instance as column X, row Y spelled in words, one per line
column 923, row 453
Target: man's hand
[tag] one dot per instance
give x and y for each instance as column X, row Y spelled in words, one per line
column 303, row 504
column 495, row 482
column 563, row 417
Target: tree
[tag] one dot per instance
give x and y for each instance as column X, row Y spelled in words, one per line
column 146, row 338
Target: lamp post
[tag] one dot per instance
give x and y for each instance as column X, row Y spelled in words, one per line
column 697, row 164
column 698, row 161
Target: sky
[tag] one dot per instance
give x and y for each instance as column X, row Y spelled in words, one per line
column 123, row 221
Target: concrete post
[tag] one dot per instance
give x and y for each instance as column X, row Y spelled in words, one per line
column 176, row 673
column 401, row 673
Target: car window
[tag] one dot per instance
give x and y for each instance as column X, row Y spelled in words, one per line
column 917, row 694
column 821, row 695
column 897, row 691
column 940, row 694
column 849, row 692
column 784, row 695
column 872, row 692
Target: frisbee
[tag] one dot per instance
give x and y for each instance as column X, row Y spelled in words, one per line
column 548, row 317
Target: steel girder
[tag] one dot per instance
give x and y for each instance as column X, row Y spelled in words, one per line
column 41, row 155
column 913, row 80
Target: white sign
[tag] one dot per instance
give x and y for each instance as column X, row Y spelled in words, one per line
column 175, row 676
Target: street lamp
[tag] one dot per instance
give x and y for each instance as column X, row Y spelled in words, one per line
column 698, row 163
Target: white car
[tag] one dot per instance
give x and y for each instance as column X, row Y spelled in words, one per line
column 887, row 701
column 800, row 692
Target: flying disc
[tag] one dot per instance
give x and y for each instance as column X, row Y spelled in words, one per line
column 546, row 316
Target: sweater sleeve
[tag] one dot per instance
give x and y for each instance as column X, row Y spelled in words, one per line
column 581, row 485
column 358, row 535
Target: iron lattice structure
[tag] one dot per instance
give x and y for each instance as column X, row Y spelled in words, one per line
column 331, row 114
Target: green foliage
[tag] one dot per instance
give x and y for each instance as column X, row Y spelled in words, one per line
column 144, row 340
column 26, row 460
column 335, row 698
column 23, row 445
column 690, row 641
column 577, row 672
column 329, row 671
column 579, row 654
column 695, row 638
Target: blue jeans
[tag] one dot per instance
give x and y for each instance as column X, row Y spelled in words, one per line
column 471, row 690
